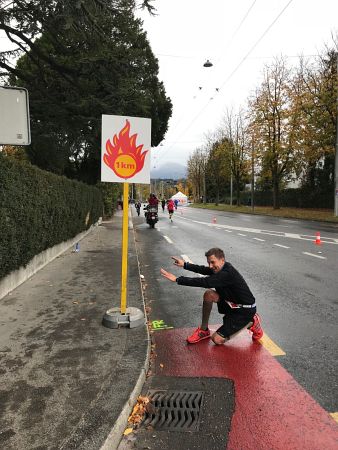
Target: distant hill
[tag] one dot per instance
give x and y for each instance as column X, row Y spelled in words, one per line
column 169, row 170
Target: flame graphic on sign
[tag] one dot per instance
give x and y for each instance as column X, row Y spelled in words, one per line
column 124, row 157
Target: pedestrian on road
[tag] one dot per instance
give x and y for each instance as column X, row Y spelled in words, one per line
column 163, row 204
column 138, row 207
column 226, row 287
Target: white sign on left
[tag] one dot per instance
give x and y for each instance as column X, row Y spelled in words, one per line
column 14, row 113
column 125, row 149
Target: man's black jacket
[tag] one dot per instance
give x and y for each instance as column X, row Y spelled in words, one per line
column 228, row 282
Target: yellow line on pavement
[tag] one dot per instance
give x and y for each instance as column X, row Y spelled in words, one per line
column 334, row 416
column 270, row 346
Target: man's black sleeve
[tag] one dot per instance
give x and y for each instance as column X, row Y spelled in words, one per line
column 203, row 270
column 215, row 280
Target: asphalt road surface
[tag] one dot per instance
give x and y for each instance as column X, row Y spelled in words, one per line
column 293, row 279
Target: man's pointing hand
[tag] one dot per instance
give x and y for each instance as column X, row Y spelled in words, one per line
column 177, row 261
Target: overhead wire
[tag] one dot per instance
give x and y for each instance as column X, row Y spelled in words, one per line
column 223, row 50
column 200, row 87
column 229, row 77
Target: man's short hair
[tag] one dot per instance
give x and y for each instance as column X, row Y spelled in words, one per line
column 216, row 252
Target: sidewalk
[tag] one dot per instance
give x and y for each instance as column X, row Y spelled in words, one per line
column 64, row 377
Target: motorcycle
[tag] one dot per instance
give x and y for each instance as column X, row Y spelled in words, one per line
column 151, row 215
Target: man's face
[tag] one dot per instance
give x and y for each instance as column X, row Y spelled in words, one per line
column 215, row 264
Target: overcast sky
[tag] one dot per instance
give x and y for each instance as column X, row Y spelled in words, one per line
column 238, row 37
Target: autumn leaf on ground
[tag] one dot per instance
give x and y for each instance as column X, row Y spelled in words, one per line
column 139, row 410
column 127, row 431
column 161, row 365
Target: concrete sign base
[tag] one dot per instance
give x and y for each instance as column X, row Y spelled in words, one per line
column 113, row 318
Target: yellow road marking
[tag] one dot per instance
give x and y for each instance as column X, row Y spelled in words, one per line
column 270, row 346
column 334, row 416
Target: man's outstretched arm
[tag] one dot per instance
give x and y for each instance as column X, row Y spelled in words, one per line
column 168, row 275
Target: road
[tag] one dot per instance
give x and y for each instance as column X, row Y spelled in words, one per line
column 293, row 279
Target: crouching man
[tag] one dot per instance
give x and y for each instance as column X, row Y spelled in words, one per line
column 226, row 287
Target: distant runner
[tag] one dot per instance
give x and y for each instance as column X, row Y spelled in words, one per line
column 170, row 206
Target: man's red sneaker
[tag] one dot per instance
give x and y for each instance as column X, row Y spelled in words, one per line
column 257, row 330
column 198, row 335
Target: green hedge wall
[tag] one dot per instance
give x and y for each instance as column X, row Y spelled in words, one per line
column 38, row 210
column 292, row 198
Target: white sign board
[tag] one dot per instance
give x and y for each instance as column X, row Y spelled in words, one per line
column 125, row 149
column 14, row 116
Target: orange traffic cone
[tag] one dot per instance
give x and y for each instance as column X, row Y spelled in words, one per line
column 214, row 220
column 318, row 241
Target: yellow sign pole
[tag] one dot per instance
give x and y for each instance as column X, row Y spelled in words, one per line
column 124, row 248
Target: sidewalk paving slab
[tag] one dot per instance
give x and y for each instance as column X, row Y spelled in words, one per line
column 64, row 377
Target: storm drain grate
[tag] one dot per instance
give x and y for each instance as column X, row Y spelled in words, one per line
column 174, row 410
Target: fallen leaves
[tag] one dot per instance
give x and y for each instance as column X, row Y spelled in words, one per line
column 128, row 431
column 142, row 406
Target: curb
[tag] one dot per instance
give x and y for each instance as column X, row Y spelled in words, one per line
column 114, row 438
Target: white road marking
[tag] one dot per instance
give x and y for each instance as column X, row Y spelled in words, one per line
column 187, row 259
column 324, row 240
column 258, row 239
column 240, row 234
column 168, row 239
column 174, row 226
column 292, row 235
column 228, row 231
column 315, row 256
column 280, row 245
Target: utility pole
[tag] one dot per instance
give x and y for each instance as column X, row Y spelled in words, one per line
column 252, row 177
column 336, row 157
column 204, row 189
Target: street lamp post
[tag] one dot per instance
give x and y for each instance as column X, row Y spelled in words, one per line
column 336, row 157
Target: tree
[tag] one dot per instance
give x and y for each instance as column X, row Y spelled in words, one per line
column 271, row 113
column 82, row 59
column 218, row 166
column 235, row 143
column 315, row 94
column 196, row 166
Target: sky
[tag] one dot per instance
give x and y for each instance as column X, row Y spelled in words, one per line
column 239, row 38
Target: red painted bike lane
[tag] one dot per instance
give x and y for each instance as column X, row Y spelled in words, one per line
column 272, row 411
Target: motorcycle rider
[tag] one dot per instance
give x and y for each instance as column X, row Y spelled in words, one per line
column 152, row 203
column 153, row 200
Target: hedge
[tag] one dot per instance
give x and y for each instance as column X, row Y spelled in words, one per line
column 292, row 198
column 38, row 210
